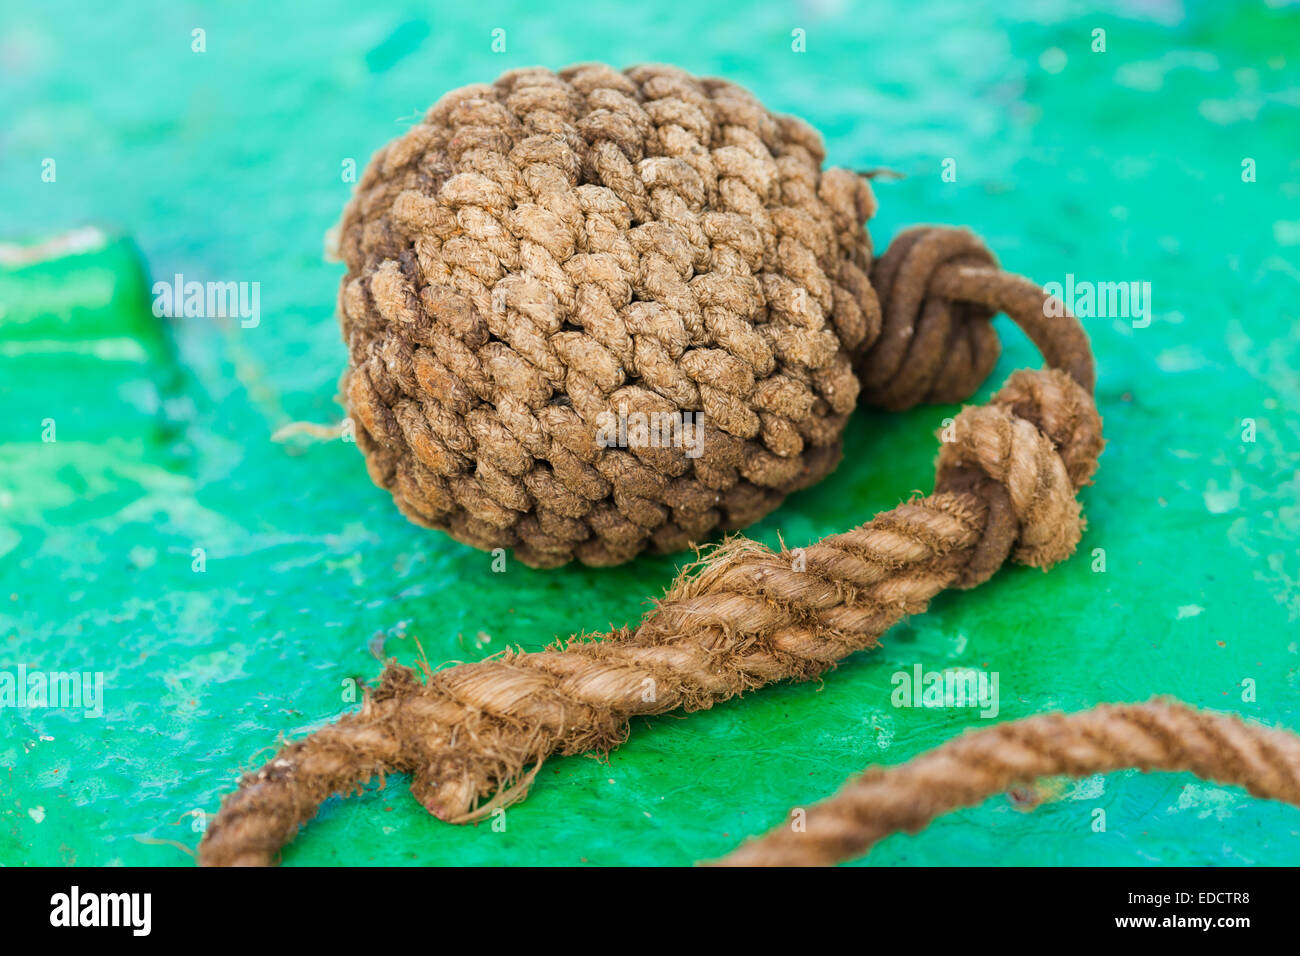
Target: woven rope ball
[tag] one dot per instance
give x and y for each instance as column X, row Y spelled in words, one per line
column 555, row 252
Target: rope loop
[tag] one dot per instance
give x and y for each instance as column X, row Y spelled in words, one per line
column 594, row 313
column 931, row 348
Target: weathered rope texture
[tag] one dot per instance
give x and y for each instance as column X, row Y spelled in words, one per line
column 968, row 770
column 549, row 247
column 554, row 251
column 744, row 618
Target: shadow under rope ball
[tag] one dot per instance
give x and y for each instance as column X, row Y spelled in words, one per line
column 552, row 249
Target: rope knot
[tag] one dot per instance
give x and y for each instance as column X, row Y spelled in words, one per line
column 640, row 327
column 509, row 293
column 1038, row 439
column 549, row 250
column 934, row 345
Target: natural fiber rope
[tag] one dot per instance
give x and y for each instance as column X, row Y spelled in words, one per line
column 966, row 771
column 743, row 618
column 553, row 248
column 559, row 167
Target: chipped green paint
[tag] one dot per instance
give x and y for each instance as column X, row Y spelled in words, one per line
column 1116, row 166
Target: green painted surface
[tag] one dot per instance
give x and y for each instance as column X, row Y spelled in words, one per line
column 225, row 165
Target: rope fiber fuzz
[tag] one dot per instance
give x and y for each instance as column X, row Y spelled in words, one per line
column 550, row 247
column 556, row 251
column 740, row 619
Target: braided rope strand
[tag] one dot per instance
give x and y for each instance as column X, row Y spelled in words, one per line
column 556, row 251
column 743, row 618
column 547, row 247
column 1159, row 735
column 557, row 247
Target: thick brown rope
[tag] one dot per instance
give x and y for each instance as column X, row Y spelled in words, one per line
column 547, row 248
column 939, row 287
column 553, row 251
column 973, row 767
column 743, row 618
